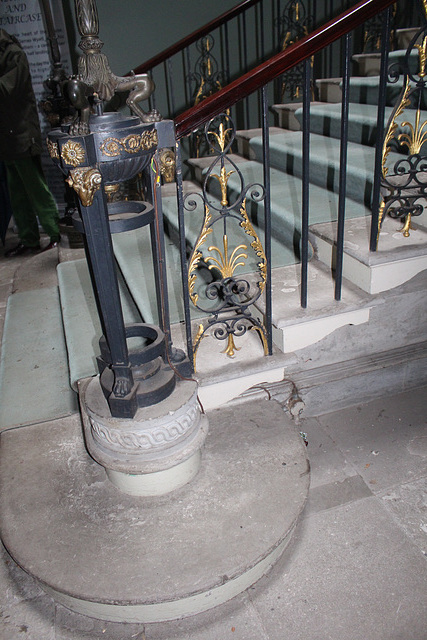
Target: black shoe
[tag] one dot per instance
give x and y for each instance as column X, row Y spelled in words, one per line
column 51, row 245
column 21, row 250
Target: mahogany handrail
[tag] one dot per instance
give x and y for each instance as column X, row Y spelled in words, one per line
column 193, row 118
column 195, row 35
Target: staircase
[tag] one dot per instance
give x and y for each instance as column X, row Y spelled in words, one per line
column 374, row 283
column 333, row 354
column 325, row 346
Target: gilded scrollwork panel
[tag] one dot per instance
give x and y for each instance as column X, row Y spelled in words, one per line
column 131, row 144
column 404, row 158
column 228, row 299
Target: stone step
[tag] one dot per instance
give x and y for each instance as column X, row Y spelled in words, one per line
column 286, row 160
column 397, row 260
column 281, row 254
column 363, row 90
column 286, row 199
column 34, row 380
column 286, row 119
column 325, row 120
column 132, row 250
column 369, row 64
column 295, row 328
column 243, row 136
column 80, row 318
column 114, row 556
column 329, row 89
column 286, row 156
column 404, row 36
column 223, row 376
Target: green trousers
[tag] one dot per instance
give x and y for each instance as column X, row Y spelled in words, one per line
column 31, row 198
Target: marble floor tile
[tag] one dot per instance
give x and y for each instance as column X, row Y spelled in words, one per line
column 351, row 576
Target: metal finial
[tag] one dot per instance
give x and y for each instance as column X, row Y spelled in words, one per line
column 95, row 75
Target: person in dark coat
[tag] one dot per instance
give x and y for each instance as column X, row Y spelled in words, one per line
column 20, row 149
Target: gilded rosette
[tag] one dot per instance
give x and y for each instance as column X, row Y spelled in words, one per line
column 73, row 153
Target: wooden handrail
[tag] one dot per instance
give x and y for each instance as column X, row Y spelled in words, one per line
column 192, row 119
column 196, row 35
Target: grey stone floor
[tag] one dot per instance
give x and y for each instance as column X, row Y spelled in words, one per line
column 358, row 566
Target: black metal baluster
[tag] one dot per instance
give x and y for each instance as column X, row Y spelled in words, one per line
column 343, row 166
column 245, row 42
column 152, row 98
column 159, row 254
column 385, row 43
column 267, row 219
column 245, row 62
column 171, row 94
column 260, row 20
column 187, row 81
column 277, row 20
column 227, row 53
column 222, row 52
column 305, row 180
column 332, row 46
column 259, row 36
column 185, row 72
column 277, row 47
column 183, row 253
column 168, row 103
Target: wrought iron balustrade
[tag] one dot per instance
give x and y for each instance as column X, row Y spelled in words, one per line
column 232, row 44
column 236, row 302
column 404, row 182
column 220, row 257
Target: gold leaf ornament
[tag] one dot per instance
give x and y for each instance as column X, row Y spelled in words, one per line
column 134, row 143
column 256, row 246
column 73, row 153
column 52, row 148
column 226, row 264
column 85, row 183
column 197, row 255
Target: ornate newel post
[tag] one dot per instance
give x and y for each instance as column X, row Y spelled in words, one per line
column 140, row 423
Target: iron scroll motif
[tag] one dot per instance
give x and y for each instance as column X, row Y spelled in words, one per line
column 404, row 181
column 205, row 80
column 230, row 296
column 294, row 24
column 373, row 31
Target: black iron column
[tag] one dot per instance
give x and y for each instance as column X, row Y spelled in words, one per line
column 100, row 149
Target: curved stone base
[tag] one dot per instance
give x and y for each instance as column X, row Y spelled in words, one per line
column 159, row 482
column 119, row 557
column 172, row 610
column 156, row 452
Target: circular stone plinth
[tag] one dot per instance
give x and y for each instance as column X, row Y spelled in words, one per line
column 156, row 452
column 118, row 557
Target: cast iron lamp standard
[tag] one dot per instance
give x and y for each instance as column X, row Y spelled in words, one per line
column 96, row 150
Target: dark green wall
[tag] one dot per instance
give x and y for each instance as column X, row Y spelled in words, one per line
column 136, row 30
